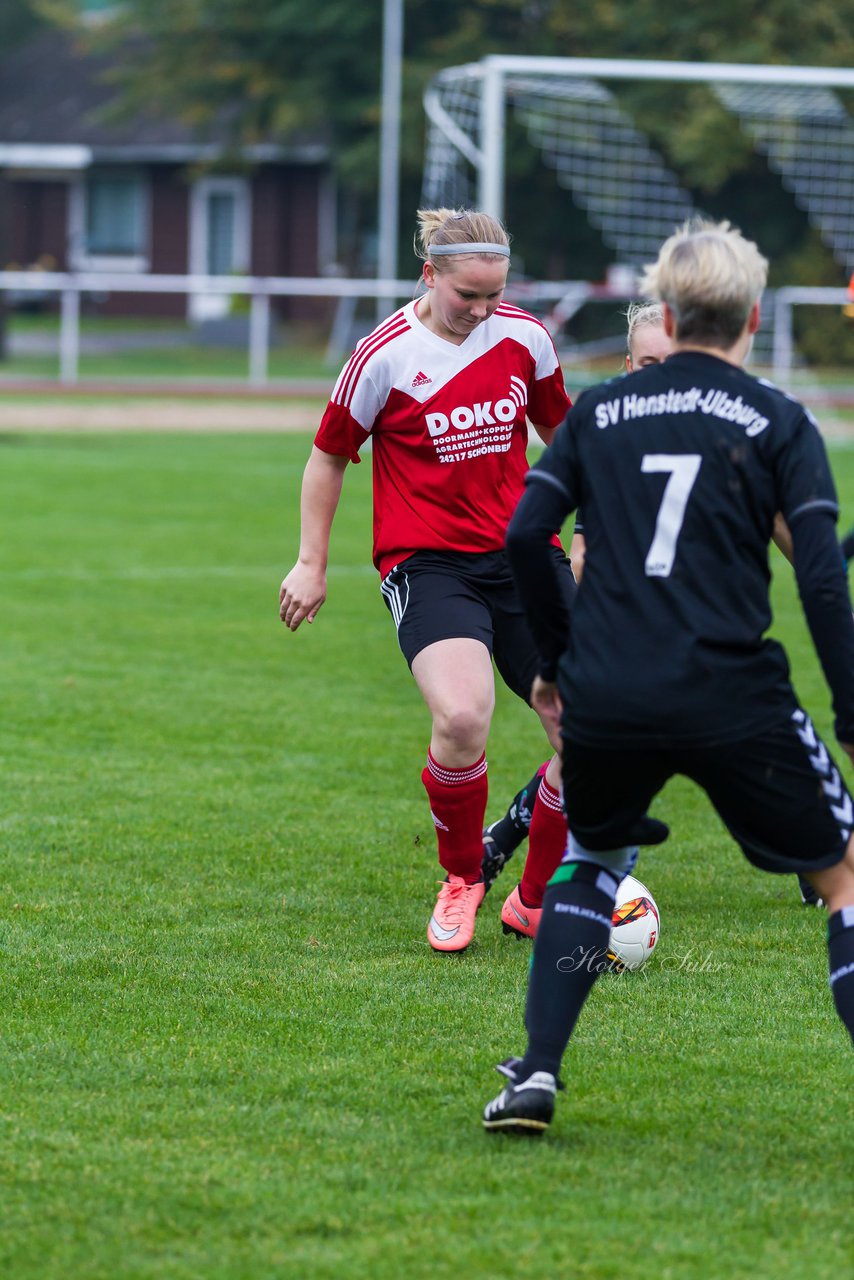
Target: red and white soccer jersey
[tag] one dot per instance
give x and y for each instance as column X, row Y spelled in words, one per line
column 448, row 426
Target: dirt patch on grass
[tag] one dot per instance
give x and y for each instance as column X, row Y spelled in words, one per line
column 135, row 414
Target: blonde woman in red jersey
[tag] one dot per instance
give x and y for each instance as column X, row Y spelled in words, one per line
column 444, row 389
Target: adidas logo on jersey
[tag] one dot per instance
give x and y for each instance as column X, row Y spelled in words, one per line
column 420, row 380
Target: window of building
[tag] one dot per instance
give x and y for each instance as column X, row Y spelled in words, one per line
column 109, row 220
column 115, row 222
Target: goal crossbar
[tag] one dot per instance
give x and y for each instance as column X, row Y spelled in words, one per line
column 646, row 69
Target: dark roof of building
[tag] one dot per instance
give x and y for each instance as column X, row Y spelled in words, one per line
column 54, row 94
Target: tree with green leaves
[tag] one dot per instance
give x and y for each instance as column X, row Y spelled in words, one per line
column 283, row 68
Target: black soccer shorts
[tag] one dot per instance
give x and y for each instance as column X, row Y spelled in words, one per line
column 448, row 595
column 780, row 794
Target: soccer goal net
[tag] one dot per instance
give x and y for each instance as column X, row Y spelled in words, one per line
column 793, row 116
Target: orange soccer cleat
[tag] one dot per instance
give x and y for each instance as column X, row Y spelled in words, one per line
column 519, row 919
column 451, row 926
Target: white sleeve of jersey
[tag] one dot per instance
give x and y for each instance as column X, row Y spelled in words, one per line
column 544, row 353
column 365, row 382
column 366, row 401
column 357, row 392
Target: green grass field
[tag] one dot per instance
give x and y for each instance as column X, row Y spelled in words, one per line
column 227, row 1049
column 175, row 364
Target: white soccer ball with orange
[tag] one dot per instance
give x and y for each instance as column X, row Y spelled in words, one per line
column 635, row 926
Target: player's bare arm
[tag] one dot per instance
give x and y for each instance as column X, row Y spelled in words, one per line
column 304, row 589
column 782, row 537
column 546, row 434
column 577, row 554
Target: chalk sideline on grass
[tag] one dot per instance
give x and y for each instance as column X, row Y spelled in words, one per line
column 132, row 413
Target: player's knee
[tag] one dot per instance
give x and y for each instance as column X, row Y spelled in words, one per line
column 849, row 852
column 463, row 727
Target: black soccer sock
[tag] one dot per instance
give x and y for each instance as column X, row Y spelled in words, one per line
column 509, row 832
column 570, row 951
column 840, row 951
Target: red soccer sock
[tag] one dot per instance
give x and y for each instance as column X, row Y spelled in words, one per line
column 546, row 845
column 458, row 806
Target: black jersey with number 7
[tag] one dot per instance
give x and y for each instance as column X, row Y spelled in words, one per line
column 680, row 470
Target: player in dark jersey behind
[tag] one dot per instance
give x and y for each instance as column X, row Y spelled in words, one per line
column 667, row 669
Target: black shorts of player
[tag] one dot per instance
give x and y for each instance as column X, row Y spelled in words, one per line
column 448, row 595
column 779, row 794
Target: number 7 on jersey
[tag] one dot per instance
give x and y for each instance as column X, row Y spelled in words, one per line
column 683, row 469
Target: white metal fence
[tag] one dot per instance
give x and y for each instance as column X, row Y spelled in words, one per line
column 560, row 298
column 259, row 289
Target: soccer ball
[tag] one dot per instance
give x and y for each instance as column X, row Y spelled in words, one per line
column 635, row 926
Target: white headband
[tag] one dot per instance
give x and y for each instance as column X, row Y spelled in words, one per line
column 477, row 247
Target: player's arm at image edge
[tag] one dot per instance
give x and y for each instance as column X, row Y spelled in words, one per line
column 823, row 588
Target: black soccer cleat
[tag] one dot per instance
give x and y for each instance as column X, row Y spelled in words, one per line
column 501, row 839
column 496, row 853
column 809, row 897
column 523, row 1107
column 509, row 1068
